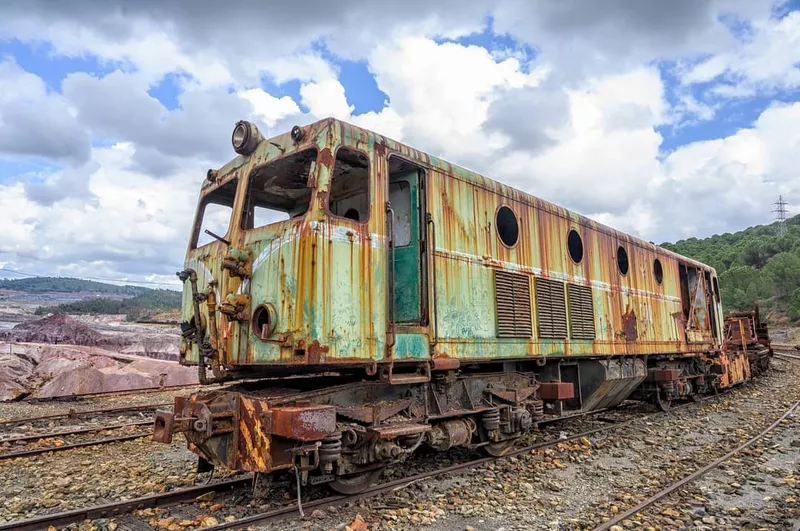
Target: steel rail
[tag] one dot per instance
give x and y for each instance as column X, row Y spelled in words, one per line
column 102, row 394
column 73, row 413
column 116, row 508
column 39, row 451
column 694, row 475
column 786, row 356
column 54, row 434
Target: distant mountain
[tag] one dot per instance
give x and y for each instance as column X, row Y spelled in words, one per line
column 141, row 307
column 68, row 285
column 135, row 302
column 755, row 264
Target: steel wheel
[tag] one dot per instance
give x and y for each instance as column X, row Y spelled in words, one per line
column 498, row 449
column 355, row 483
column 661, row 402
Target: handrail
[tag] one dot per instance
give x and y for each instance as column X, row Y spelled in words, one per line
column 432, row 256
column 390, row 223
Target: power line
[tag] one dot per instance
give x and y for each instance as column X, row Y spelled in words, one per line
column 780, row 215
column 100, row 279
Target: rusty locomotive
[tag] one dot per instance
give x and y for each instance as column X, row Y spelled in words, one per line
column 362, row 299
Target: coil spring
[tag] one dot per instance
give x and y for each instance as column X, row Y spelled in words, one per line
column 537, row 410
column 491, row 420
column 331, row 448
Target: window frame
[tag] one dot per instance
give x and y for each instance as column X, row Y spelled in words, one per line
column 497, row 227
column 580, row 240
column 201, row 211
column 264, row 164
column 627, row 260
column 657, row 261
column 370, row 193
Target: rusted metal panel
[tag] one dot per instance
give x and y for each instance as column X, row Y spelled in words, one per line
column 664, row 375
column 556, row 390
column 304, row 423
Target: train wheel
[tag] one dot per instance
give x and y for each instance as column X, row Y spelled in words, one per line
column 661, row 401
column 355, row 483
column 498, row 449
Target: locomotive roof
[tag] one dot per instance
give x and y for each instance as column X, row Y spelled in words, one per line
column 459, row 172
column 477, row 179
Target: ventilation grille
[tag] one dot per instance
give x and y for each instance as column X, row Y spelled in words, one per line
column 552, row 308
column 581, row 312
column 513, row 298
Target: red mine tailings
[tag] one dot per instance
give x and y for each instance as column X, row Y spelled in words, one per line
column 58, row 328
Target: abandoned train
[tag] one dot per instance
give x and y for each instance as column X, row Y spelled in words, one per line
column 369, row 299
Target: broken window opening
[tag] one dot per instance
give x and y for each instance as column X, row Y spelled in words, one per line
column 215, row 214
column 400, row 199
column 279, row 190
column 349, row 190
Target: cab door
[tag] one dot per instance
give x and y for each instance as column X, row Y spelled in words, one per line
column 406, row 256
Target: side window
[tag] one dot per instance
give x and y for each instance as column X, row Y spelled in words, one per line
column 349, row 190
column 215, row 214
column 400, row 198
column 279, row 190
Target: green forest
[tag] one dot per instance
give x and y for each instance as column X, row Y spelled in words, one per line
column 756, row 264
column 135, row 302
column 140, row 307
column 68, row 285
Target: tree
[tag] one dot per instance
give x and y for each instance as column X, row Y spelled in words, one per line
column 784, row 268
column 793, row 311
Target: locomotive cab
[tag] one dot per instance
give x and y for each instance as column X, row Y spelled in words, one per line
column 293, row 266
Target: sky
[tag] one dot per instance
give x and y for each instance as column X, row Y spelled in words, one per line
column 663, row 119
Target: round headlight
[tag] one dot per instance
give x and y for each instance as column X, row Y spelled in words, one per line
column 245, row 137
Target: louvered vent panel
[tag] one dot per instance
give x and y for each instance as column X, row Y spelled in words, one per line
column 513, row 298
column 552, row 308
column 581, row 312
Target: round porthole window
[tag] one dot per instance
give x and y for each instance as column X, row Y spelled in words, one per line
column 575, row 246
column 658, row 271
column 622, row 260
column 507, row 226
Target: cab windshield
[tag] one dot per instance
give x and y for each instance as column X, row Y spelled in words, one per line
column 279, row 190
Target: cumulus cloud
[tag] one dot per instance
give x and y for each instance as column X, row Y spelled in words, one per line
column 571, row 111
column 34, row 122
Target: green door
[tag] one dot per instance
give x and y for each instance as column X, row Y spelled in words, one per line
column 404, row 198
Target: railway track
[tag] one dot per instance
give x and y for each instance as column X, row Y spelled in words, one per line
column 178, row 496
column 31, row 436
column 696, row 474
column 73, row 414
column 109, row 394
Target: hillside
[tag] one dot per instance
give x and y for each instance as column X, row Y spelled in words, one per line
column 68, row 285
column 753, row 264
column 143, row 306
column 135, row 302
